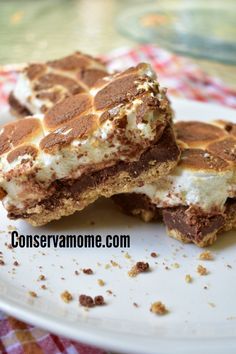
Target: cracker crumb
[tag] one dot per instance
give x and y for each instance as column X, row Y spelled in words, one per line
column 127, row 255
column 42, row 277
column 139, row 267
column 33, row 294
column 11, row 228
column 212, row 304
column 176, row 265
column 115, row 264
column 107, row 266
column 101, row 282
column 206, row 256
column 43, row 287
column 158, row 308
column 87, row 271
column 202, row 270
column 66, row 296
column 188, row 278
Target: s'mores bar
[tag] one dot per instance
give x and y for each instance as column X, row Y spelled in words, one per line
column 41, row 85
column 197, row 200
column 97, row 143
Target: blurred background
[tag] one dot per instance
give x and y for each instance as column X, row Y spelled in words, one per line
column 32, row 30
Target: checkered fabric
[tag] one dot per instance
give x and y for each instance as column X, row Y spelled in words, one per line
column 183, row 79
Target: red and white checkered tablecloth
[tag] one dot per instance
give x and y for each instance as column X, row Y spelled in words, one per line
column 183, row 79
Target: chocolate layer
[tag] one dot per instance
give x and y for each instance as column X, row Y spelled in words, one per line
column 164, row 151
column 192, row 224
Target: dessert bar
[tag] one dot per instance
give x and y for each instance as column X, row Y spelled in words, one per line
column 104, row 141
column 197, row 200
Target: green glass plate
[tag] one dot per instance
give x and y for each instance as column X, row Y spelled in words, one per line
column 200, row 29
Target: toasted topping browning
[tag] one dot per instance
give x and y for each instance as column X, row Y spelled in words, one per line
column 41, row 85
column 71, row 108
column 197, row 133
column 201, row 160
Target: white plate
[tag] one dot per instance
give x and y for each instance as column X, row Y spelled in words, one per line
column 199, row 320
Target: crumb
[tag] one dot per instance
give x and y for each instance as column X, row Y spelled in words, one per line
column 109, row 292
column 158, row 308
column 101, row 282
column 87, row 271
column 127, row 255
column 42, row 277
column 188, row 278
column 107, row 266
column 153, row 254
column 139, row 267
column 16, row 264
column 9, row 246
column 66, row 296
column 206, row 256
column 2, row 262
column 92, row 223
column 205, row 287
column 175, row 265
column 202, row 270
column 33, row 294
column 229, row 266
column 211, row 304
column 99, row 300
column 135, row 304
column 11, row 228
column 86, row 301
column 62, row 278
column 115, row 264
column 167, row 268
column 43, row 287
column 76, row 272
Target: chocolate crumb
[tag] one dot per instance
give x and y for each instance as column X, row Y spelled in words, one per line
column 135, row 304
column 139, row 267
column 76, row 272
column 86, row 301
column 87, row 271
column 99, row 300
column 154, row 254
column 2, row 262
column 16, row 263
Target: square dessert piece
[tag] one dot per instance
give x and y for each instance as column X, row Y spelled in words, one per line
column 197, row 200
column 41, row 85
column 107, row 140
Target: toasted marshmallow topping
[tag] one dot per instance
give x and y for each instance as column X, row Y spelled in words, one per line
column 41, row 85
column 206, row 174
column 115, row 121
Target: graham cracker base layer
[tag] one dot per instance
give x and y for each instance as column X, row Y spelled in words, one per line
column 119, row 183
